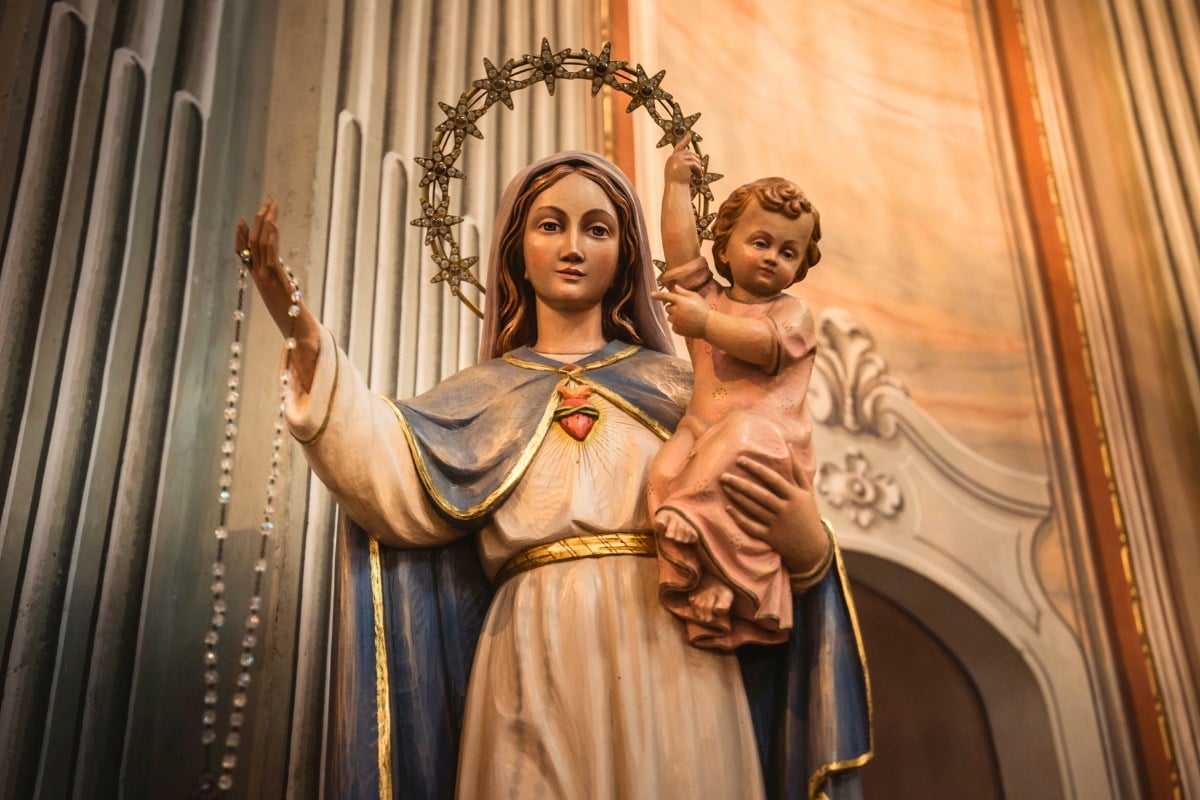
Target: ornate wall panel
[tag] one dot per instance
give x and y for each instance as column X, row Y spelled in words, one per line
column 899, row 121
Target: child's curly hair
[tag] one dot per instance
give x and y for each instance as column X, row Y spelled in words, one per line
column 778, row 195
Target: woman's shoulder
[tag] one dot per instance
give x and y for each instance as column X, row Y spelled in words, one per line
column 663, row 374
column 471, row 387
column 667, row 362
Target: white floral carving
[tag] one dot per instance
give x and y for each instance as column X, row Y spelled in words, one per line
column 865, row 495
column 850, row 379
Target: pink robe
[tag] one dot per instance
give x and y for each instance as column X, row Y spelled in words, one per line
column 737, row 409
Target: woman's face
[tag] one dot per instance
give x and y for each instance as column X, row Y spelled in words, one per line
column 571, row 244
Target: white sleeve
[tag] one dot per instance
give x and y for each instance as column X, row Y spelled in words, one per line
column 356, row 447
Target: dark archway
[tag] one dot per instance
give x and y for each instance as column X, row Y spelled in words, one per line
column 958, row 711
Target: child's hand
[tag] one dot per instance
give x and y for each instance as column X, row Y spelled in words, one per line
column 686, row 311
column 683, row 163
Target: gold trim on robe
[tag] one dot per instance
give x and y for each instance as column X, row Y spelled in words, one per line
column 383, row 703
column 823, row 772
column 592, row 545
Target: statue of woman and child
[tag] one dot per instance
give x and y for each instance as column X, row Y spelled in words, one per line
column 661, row 612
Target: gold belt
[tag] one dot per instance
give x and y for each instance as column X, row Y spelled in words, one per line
column 591, row 545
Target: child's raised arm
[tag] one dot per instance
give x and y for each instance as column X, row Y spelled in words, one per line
column 681, row 244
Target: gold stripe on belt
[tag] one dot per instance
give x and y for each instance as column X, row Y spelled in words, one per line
column 591, row 545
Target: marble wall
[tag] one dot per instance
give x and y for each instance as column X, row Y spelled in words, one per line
column 896, row 120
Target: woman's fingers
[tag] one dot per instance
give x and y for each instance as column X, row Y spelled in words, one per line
column 749, row 506
column 241, row 237
column 764, row 475
column 751, row 526
column 270, row 246
column 738, row 487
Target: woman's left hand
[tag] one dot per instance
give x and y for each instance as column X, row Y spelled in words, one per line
column 686, row 311
column 782, row 513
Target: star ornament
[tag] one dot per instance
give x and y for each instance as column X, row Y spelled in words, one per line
column 701, row 185
column 702, row 223
column 438, row 167
column 601, row 69
column 643, row 90
column 460, row 120
column 453, row 271
column 436, row 221
column 548, row 65
column 498, row 83
column 677, row 126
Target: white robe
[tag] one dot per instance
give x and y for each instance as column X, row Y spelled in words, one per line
column 583, row 684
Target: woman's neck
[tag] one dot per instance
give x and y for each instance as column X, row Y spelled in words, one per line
column 568, row 331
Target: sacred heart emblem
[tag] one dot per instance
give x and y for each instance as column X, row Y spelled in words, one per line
column 575, row 413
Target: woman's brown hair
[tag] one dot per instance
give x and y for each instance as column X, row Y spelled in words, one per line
column 515, row 294
column 777, row 195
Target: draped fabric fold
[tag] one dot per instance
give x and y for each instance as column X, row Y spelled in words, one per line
column 809, row 697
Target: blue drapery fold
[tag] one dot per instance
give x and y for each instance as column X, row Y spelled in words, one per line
column 809, row 697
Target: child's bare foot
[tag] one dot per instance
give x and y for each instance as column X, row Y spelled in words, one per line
column 710, row 599
column 673, row 526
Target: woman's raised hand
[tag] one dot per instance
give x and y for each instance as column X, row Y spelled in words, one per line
column 261, row 244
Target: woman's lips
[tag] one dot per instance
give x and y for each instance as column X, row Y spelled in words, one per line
column 570, row 272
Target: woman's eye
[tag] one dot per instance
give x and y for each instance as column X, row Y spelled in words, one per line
column 599, row 231
column 549, row 226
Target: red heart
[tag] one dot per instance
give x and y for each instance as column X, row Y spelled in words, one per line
column 577, row 426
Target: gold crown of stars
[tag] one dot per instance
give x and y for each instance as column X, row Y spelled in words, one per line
column 499, row 85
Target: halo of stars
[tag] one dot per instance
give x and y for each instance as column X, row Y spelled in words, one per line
column 498, row 86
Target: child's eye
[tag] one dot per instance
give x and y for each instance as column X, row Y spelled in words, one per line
column 789, row 254
column 760, row 244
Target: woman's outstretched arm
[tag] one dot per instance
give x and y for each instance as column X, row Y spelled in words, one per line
column 351, row 438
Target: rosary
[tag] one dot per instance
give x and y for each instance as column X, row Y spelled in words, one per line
column 250, row 635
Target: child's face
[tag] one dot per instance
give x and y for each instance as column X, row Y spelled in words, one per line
column 765, row 250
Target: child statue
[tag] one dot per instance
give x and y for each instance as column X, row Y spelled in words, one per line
column 748, row 424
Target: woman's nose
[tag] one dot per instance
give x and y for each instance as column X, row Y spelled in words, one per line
column 571, row 250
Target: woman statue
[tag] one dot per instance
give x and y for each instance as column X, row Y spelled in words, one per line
column 582, row 684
